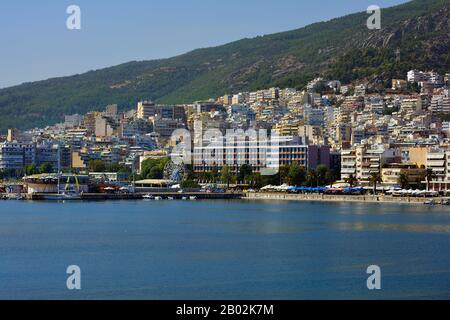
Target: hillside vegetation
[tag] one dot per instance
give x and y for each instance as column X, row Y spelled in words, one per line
column 341, row 48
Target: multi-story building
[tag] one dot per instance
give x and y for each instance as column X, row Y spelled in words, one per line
column 411, row 105
column 165, row 127
column 89, row 122
column 348, row 164
column 416, row 76
column 371, row 158
column 362, row 161
column 48, row 153
column 437, row 161
column 440, row 104
column 146, row 109
column 390, row 174
column 16, row 155
column 260, row 156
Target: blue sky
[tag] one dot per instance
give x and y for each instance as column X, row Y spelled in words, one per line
column 37, row 45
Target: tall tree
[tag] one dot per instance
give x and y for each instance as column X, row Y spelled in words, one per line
column 403, row 179
column 296, row 175
column 311, row 178
column 351, row 180
column 321, row 171
column 375, row 178
column 46, row 168
column 225, row 176
column 429, row 176
column 245, row 171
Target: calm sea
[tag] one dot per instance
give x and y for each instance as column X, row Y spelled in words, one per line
column 223, row 250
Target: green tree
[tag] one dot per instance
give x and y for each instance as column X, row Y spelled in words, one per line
column 46, row 168
column 225, row 175
column 351, row 180
column 189, row 184
column 311, row 178
column 375, row 178
column 97, row 166
column 331, row 176
column 245, row 171
column 283, row 174
column 403, row 179
column 155, row 173
column 322, row 171
column 429, row 176
column 31, row 169
column 153, row 168
column 296, row 175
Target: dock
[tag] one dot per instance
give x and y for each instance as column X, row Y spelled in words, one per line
column 139, row 196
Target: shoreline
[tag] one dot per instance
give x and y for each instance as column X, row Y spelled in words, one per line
column 339, row 198
column 384, row 199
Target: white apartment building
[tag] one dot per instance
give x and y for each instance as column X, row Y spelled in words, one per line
column 364, row 160
column 145, row 109
column 348, row 163
column 438, row 160
column 440, row 104
column 411, row 105
column 416, row 76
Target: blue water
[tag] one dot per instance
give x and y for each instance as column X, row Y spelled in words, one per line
column 223, row 250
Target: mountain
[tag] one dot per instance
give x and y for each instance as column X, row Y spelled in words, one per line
column 342, row 48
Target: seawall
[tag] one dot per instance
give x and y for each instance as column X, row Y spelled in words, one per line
column 336, row 198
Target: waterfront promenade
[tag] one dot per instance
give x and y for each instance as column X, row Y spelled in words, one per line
column 247, row 196
column 337, row 198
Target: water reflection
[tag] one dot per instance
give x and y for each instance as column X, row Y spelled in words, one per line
column 420, row 228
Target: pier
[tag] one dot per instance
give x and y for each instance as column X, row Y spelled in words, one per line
column 139, row 196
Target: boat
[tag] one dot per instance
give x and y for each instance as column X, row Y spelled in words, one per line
column 170, row 198
column 158, row 198
column 68, row 195
column 193, row 198
column 14, row 196
column 148, row 197
column 430, row 202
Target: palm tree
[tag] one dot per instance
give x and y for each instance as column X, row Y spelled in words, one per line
column 403, row 179
column 311, row 177
column 375, row 178
column 351, row 180
column 226, row 175
column 430, row 175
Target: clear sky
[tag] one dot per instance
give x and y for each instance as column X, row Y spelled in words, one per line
column 36, row 45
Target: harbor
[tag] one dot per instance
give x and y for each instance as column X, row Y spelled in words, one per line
column 140, row 196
